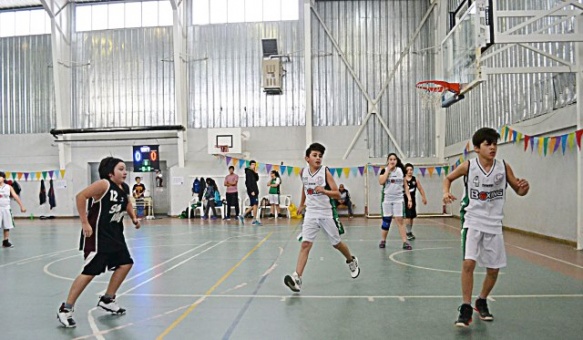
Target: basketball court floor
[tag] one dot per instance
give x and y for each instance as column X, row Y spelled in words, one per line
column 196, row 279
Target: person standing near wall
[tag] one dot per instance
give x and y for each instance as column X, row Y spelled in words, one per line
column 392, row 180
column 486, row 180
column 102, row 239
column 410, row 213
column 251, row 179
column 6, row 220
column 274, row 185
column 232, row 194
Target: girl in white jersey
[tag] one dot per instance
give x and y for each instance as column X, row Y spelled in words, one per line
column 485, row 181
column 6, row 221
column 319, row 190
column 392, row 199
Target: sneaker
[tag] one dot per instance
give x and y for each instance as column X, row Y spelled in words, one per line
column 65, row 316
column 465, row 317
column 354, row 268
column 205, row 218
column 293, row 281
column 407, row 246
column 351, row 216
column 383, row 244
column 110, row 305
column 7, row 244
column 241, row 219
column 410, row 236
column 482, row 309
column 256, row 222
column 271, row 216
column 227, row 218
column 213, row 217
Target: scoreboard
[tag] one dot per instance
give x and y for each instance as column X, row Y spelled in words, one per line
column 146, row 158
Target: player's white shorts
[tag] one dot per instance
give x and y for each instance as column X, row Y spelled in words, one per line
column 392, row 209
column 486, row 249
column 311, row 227
column 6, row 221
column 273, row 199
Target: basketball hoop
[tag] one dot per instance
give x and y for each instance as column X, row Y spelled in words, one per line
column 223, row 148
column 431, row 92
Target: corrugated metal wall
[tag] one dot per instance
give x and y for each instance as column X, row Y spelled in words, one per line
column 130, row 79
column 372, row 34
column 27, row 91
column 224, row 63
column 510, row 98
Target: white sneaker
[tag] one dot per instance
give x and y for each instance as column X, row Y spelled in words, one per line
column 354, row 268
column 65, row 317
column 294, row 282
column 110, row 305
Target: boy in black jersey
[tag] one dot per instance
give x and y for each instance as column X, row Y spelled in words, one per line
column 102, row 239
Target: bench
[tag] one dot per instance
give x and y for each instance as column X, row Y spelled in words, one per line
column 345, row 207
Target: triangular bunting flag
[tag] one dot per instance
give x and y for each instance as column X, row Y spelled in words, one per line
column 361, row 170
column 45, row 175
column 526, row 139
column 438, row 169
column 545, row 145
column 8, row 174
column 514, row 135
column 242, row 163
column 275, row 167
column 354, row 171
column 552, row 145
column 578, row 135
column 346, row 172
column 446, row 170
column 297, row 170
column 376, row 170
column 235, row 162
column 506, row 131
column 289, row 170
column 26, row 174
column 519, row 137
column 228, row 160
column 422, row 171
column 564, row 143
column 571, row 140
column 431, row 169
column 282, row 169
column 247, row 162
column 38, row 175
column 268, row 167
column 338, row 172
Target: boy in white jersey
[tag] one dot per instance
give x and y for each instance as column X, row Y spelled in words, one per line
column 6, row 221
column 485, row 181
column 319, row 190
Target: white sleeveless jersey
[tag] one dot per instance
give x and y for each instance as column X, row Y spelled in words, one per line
column 5, row 196
column 317, row 204
column 393, row 187
column 483, row 203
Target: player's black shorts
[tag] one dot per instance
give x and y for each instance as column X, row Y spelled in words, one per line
column 97, row 263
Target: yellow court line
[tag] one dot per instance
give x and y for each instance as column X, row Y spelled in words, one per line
column 211, row 290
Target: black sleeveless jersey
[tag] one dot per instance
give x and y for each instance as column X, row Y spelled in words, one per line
column 106, row 219
column 412, row 189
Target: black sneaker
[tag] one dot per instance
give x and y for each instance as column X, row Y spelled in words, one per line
column 65, row 317
column 410, row 236
column 465, row 317
column 482, row 309
column 7, row 244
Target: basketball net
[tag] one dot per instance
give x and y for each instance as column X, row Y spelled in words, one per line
column 431, row 92
column 223, row 148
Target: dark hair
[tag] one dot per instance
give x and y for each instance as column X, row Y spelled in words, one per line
column 399, row 163
column 275, row 172
column 485, row 134
column 2, row 174
column 138, row 177
column 231, row 167
column 252, row 162
column 315, row 147
column 409, row 165
column 107, row 165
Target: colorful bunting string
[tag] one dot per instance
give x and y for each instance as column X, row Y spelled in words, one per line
column 31, row 176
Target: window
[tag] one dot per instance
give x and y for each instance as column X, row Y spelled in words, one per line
column 123, row 15
column 206, row 12
column 25, row 22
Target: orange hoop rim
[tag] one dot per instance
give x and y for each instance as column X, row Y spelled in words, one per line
column 438, row 86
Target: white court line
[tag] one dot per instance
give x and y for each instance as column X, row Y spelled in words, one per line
column 392, row 258
column 93, row 325
column 36, row 257
column 367, row 297
column 527, row 250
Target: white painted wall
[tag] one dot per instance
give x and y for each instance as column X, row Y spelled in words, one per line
column 550, row 208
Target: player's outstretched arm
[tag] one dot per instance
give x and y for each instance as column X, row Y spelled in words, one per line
column 519, row 185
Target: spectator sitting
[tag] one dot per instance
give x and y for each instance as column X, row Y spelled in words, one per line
column 344, row 199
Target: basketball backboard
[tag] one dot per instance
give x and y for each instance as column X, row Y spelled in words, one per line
column 462, row 48
column 219, row 139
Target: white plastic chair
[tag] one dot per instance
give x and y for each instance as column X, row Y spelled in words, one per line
column 285, row 203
